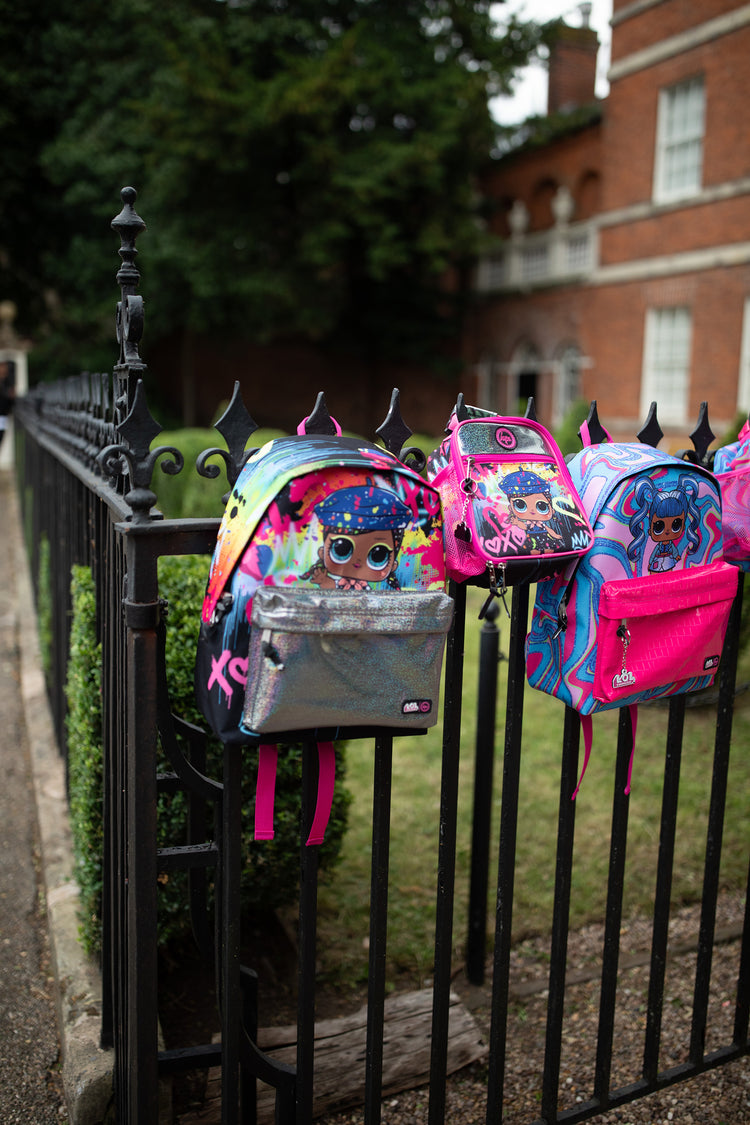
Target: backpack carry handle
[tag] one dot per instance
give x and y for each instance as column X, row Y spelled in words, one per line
column 322, row 422
column 265, row 791
column 302, row 428
column 592, row 432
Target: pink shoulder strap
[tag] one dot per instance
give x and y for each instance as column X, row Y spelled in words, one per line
column 586, row 436
column 302, row 428
column 265, row 791
column 587, row 727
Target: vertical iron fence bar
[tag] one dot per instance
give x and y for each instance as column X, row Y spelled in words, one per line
column 454, row 662
column 141, row 605
column 104, row 565
column 663, row 892
column 742, row 1003
column 714, row 836
column 248, row 1081
column 113, row 759
column 36, row 477
column 110, row 801
column 56, row 529
column 507, row 851
column 229, row 987
column 613, row 922
column 381, row 824
column 476, row 943
column 560, row 915
column 197, row 832
column 307, row 943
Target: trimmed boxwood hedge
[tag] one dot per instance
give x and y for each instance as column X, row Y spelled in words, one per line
column 84, row 732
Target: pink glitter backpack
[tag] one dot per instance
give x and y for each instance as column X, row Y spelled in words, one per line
column 510, row 510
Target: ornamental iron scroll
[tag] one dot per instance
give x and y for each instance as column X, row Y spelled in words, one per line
column 395, row 433
column 236, row 426
column 135, row 457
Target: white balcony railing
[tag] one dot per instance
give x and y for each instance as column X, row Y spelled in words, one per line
column 558, row 256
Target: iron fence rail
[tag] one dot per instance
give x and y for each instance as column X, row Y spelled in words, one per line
column 85, row 465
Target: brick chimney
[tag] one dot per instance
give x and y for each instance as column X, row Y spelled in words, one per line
column 572, row 65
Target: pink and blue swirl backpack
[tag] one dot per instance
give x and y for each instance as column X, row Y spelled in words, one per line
column 644, row 613
column 731, row 464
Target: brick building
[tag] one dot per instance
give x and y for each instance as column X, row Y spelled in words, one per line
column 620, row 260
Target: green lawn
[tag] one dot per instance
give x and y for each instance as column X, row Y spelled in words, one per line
column 344, row 895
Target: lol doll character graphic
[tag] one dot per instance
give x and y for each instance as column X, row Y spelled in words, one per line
column 664, row 517
column 531, row 510
column 363, row 528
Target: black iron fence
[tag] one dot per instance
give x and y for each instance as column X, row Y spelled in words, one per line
column 85, row 467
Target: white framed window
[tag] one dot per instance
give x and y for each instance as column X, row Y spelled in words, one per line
column 678, row 167
column 666, row 364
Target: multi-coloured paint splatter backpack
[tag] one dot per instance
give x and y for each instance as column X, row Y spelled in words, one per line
column 325, row 610
column 510, row 508
column 644, row 613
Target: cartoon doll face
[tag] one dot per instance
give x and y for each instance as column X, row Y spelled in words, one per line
column 368, row 556
column 535, row 506
column 666, row 529
column 362, row 531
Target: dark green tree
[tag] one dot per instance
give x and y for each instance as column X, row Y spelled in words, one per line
column 306, row 168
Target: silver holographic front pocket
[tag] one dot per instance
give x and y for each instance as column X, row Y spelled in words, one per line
column 344, row 658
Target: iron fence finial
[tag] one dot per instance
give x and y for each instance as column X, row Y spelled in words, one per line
column 129, row 317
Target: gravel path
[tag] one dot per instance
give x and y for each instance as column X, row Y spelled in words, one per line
column 717, row 1097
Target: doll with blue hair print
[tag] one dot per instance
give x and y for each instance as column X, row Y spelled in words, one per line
column 664, row 517
column 363, row 528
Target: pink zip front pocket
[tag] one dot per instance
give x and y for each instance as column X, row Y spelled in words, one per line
column 657, row 632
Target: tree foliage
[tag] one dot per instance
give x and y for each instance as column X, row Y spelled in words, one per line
column 305, row 168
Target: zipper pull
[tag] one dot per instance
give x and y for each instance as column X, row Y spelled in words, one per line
column 494, row 591
column 624, row 634
column 624, row 679
column 562, row 620
column 270, row 652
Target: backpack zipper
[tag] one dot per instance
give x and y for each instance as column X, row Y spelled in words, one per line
column 495, row 592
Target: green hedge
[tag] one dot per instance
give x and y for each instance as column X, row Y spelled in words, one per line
column 270, row 870
column 84, row 730
column 186, row 493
